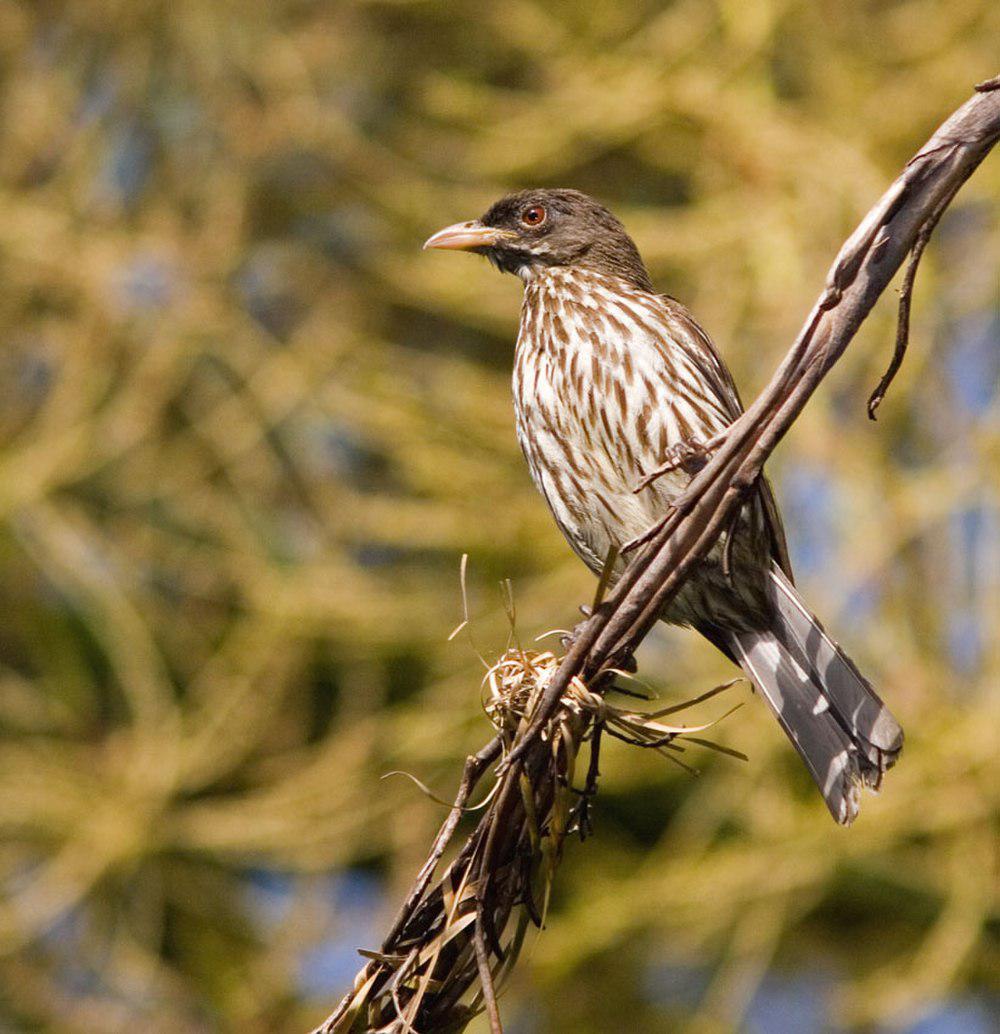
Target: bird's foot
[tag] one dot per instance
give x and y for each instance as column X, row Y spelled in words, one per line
column 689, row 455
column 569, row 638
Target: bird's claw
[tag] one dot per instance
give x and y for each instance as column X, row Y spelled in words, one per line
column 629, row 665
column 689, row 455
column 567, row 639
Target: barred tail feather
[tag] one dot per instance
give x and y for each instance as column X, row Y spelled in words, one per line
column 845, row 734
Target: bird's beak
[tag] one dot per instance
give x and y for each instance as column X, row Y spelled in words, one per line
column 467, row 236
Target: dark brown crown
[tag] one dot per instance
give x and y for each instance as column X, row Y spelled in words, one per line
column 575, row 230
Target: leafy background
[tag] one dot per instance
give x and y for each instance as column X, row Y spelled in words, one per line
column 248, row 429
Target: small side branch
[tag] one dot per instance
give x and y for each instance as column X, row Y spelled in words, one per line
column 486, row 978
column 905, row 301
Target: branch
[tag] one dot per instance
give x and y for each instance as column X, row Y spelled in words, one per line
column 545, row 708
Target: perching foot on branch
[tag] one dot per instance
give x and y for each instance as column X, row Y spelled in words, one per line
column 689, row 455
column 567, row 640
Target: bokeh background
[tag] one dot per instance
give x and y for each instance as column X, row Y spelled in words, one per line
column 248, row 429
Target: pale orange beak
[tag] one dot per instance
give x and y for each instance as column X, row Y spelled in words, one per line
column 467, row 236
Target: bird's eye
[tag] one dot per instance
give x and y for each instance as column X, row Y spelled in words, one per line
column 533, row 216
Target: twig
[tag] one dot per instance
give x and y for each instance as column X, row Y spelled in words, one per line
column 589, row 791
column 475, row 765
column 486, row 978
column 905, row 300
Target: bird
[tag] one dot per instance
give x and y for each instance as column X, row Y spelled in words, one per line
column 612, row 383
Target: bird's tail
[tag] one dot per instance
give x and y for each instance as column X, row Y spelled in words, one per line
column 844, row 732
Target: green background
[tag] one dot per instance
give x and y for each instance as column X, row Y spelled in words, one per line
column 248, row 430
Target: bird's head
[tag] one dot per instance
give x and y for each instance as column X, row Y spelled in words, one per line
column 532, row 230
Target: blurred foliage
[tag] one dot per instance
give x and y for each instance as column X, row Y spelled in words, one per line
column 248, row 429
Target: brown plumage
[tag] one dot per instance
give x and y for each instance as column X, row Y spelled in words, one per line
column 610, row 380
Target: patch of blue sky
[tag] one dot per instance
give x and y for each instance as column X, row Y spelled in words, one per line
column 972, row 362
column 966, row 1015
column 146, row 282
column 126, row 166
column 809, row 499
column 329, row 968
column 357, row 899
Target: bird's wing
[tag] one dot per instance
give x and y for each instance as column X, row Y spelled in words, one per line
column 775, row 527
column 716, row 373
column 706, row 355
